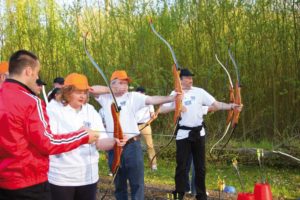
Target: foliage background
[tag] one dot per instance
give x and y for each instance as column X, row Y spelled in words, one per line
column 263, row 36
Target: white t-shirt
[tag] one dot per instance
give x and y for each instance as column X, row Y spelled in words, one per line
column 196, row 101
column 143, row 115
column 101, row 113
column 130, row 103
column 79, row 166
column 53, row 104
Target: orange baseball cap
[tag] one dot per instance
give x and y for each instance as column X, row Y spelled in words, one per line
column 121, row 75
column 3, row 67
column 78, row 80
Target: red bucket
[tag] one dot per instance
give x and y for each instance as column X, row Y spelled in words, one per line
column 245, row 196
column 262, row 191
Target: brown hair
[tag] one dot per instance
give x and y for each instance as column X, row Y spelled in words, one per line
column 66, row 92
column 20, row 59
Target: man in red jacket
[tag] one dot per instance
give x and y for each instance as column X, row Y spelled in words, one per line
column 25, row 137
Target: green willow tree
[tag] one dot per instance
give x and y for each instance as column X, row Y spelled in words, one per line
column 263, row 36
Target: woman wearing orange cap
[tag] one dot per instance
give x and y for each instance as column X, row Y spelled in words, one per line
column 74, row 175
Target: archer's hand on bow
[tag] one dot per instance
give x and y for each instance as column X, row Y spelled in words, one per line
column 238, row 107
column 121, row 142
column 153, row 115
column 176, row 95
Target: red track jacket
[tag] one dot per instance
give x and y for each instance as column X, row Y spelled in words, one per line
column 25, row 137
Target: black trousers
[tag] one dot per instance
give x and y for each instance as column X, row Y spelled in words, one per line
column 85, row 192
column 184, row 148
column 36, row 192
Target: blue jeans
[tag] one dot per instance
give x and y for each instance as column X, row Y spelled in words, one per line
column 188, row 168
column 190, row 185
column 131, row 169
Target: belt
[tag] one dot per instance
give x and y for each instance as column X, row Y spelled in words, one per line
column 196, row 128
column 194, row 132
column 133, row 139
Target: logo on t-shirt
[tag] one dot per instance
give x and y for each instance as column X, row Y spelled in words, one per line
column 87, row 124
column 189, row 102
column 123, row 103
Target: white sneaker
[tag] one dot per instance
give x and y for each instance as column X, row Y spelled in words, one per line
column 110, row 174
column 154, row 167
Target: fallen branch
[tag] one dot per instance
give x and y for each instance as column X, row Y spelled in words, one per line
column 253, row 151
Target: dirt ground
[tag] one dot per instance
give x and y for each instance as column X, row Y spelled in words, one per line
column 154, row 192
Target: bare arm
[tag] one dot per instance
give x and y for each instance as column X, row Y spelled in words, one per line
column 99, row 89
column 106, row 144
column 224, row 106
column 166, row 109
column 155, row 100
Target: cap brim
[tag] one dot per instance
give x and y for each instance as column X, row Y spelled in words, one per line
column 82, row 87
column 78, row 87
column 126, row 79
column 186, row 74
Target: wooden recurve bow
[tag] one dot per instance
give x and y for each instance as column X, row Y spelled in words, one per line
column 115, row 110
column 237, row 100
column 177, row 88
column 231, row 100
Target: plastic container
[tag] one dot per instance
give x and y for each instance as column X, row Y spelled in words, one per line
column 245, row 196
column 262, row 191
column 230, row 189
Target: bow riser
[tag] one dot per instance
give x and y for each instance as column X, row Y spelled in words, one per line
column 118, row 133
column 231, row 100
column 178, row 90
column 238, row 100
